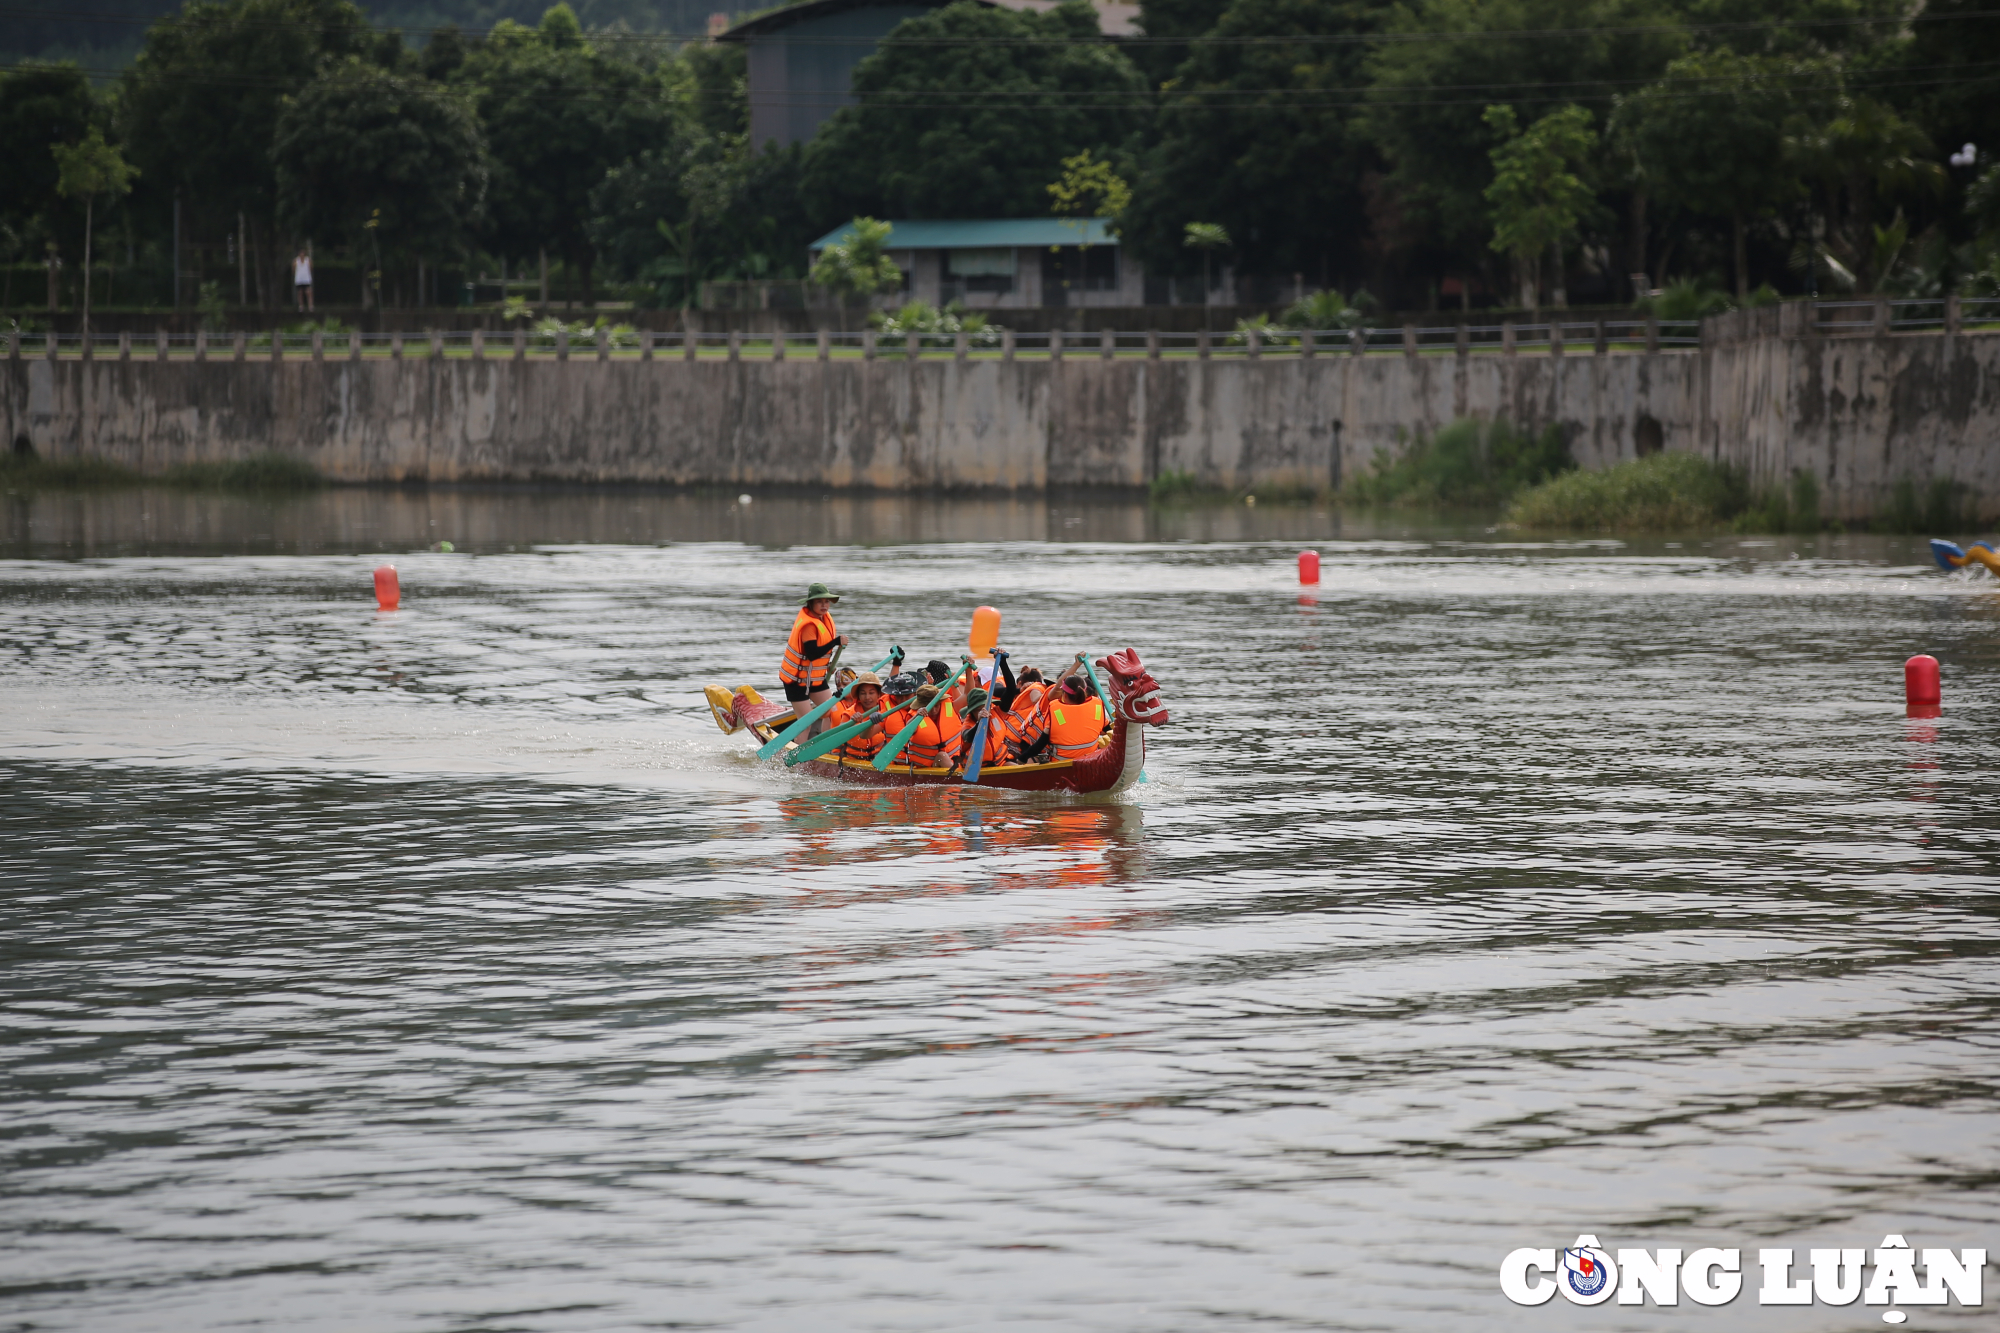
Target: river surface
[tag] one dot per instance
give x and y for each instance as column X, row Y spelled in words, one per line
column 448, row 970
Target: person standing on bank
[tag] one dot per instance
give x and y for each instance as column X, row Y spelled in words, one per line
column 302, row 280
column 809, row 651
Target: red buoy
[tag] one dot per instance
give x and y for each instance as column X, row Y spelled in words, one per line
column 1308, row 566
column 1920, row 686
column 388, row 592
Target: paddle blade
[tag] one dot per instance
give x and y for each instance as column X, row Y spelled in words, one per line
column 829, row 740
column 978, row 746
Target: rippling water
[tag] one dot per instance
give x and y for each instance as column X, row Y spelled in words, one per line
column 448, row 970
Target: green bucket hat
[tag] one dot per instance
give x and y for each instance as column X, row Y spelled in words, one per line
column 817, row 591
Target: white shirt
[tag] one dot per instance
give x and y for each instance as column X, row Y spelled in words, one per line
column 302, row 272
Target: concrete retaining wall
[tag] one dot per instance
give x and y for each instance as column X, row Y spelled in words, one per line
column 1860, row 413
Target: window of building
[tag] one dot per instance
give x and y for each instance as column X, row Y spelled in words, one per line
column 981, row 270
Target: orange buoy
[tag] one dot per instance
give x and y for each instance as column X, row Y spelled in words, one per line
column 388, row 592
column 1921, row 691
column 985, row 631
column 1308, row 566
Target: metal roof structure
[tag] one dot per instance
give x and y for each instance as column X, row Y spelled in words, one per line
column 985, row 233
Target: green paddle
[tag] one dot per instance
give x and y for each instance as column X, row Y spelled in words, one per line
column 888, row 754
column 777, row 742
column 835, row 738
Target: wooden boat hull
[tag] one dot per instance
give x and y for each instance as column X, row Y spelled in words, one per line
column 1113, row 769
column 1119, row 762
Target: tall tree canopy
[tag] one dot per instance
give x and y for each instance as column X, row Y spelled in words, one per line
column 968, row 111
column 1429, row 96
column 1265, row 138
column 362, row 144
column 559, row 115
column 40, row 106
column 1711, row 137
column 201, row 98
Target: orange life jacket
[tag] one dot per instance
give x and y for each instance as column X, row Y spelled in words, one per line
column 798, row 669
column 1000, row 730
column 951, row 726
column 897, row 718
column 937, row 739
column 1031, row 713
column 1074, row 728
column 863, row 746
column 927, row 748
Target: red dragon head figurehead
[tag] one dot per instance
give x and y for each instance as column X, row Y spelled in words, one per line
column 1137, row 693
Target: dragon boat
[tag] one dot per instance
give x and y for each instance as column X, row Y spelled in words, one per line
column 1135, row 704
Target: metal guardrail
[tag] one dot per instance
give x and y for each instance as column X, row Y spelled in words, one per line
column 1560, row 337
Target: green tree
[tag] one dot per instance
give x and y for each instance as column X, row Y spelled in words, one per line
column 1171, row 27
column 858, row 266
column 1436, row 139
column 1538, row 195
column 708, row 84
column 640, row 221
column 86, row 170
column 968, row 111
column 362, row 144
column 558, row 114
column 1088, row 189
column 40, row 105
column 200, row 100
column 702, row 207
column 1260, row 129
column 1710, row 135
column 1859, row 153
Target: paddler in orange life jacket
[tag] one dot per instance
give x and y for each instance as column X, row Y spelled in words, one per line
column 867, row 692
column 935, row 743
column 1029, row 708
column 1002, row 738
column 900, row 690
column 948, row 715
column 1076, row 719
column 809, row 651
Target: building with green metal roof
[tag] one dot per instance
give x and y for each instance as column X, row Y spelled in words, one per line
column 1008, row 263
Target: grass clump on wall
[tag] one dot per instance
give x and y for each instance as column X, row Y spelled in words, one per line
column 1469, row 462
column 1661, row 493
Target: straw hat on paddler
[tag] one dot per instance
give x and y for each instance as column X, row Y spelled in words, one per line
column 868, row 678
column 818, row 591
